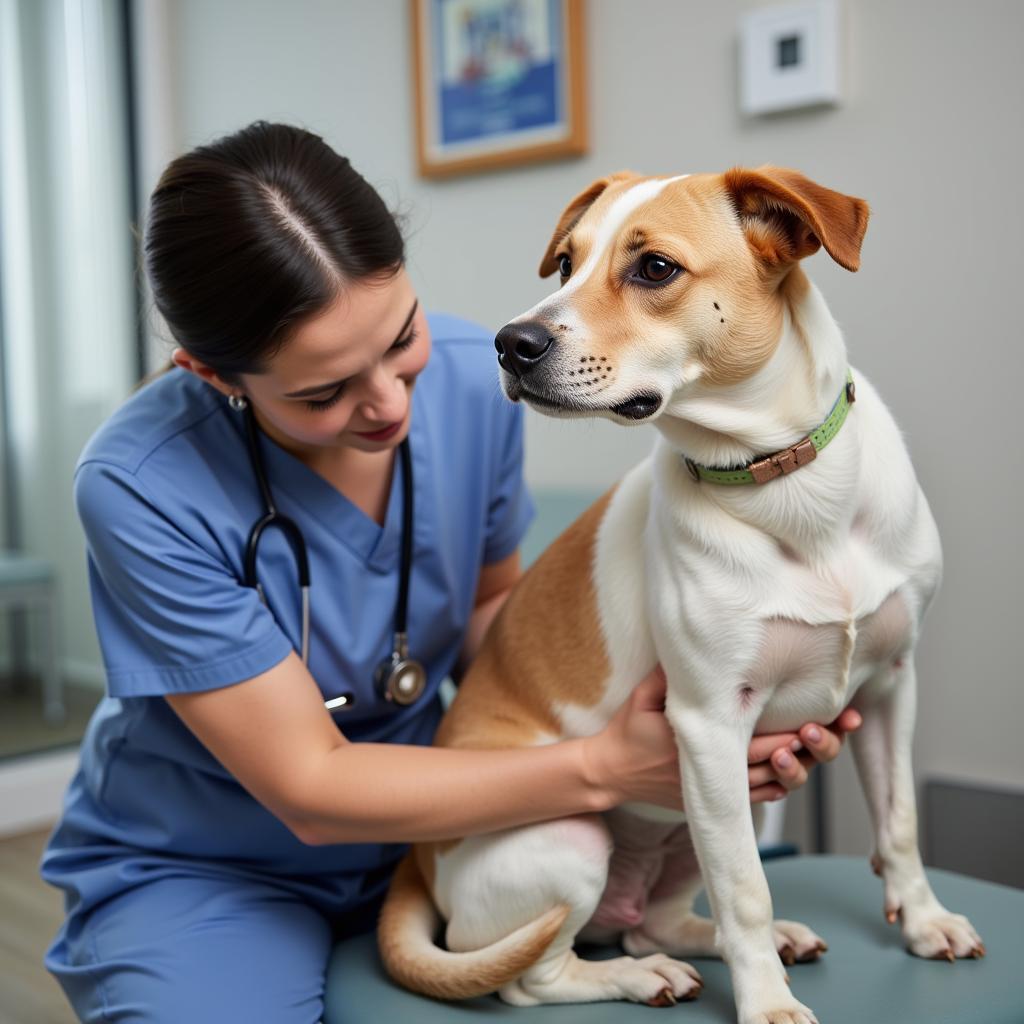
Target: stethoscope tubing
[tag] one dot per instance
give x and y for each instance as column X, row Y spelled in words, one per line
column 273, row 518
column 270, row 519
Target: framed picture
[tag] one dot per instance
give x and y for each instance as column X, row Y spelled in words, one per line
column 498, row 83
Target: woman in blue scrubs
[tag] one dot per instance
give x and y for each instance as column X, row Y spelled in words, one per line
column 224, row 828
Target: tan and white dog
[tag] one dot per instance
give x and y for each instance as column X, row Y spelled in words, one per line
column 770, row 602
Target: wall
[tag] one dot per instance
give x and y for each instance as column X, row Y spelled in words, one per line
column 926, row 133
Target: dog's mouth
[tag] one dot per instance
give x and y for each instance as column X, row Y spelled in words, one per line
column 515, row 391
column 639, row 407
column 534, row 399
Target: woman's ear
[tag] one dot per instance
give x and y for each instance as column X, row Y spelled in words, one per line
column 185, row 361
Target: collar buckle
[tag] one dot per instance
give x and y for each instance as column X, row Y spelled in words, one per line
column 784, row 462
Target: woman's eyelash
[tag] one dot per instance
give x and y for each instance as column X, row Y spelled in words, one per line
column 405, row 342
column 319, row 404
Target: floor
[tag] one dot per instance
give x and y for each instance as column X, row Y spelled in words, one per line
column 30, row 913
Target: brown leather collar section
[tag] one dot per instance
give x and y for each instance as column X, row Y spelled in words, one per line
column 786, row 461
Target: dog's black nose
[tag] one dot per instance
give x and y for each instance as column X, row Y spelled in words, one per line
column 522, row 346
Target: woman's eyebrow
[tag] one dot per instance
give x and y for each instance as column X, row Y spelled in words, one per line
column 318, row 388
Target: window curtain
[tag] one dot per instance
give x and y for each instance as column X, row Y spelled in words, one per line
column 68, row 314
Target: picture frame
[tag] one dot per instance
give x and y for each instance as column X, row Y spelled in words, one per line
column 498, row 83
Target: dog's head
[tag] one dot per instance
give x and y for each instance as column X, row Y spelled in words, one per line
column 668, row 280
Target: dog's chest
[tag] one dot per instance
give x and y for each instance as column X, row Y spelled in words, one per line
column 786, row 636
column 800, row 672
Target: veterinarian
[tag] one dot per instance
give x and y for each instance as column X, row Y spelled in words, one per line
column 244, row 787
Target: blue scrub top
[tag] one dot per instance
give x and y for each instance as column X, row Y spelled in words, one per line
column 167, row 496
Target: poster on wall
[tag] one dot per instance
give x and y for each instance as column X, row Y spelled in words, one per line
column 497, row 83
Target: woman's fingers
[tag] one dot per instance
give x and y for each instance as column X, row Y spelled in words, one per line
column 789, row 769
column 849, row 720
column 768, row 793
column 649, row 693
column 823, row 743
column 784, row 767
column 826, row 742
column 762, row 747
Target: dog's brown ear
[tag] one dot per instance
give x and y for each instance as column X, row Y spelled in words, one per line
column 786, row 216
column 572, row 214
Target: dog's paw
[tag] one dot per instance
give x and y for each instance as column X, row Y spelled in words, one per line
column 795, row 1013
column 942, row 936
column 796, row 943
column 658, row 980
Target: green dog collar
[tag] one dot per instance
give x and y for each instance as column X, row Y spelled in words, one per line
column 788, row 459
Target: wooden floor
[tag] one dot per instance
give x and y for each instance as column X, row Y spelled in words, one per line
column 30, row 912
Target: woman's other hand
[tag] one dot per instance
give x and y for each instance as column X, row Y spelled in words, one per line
column 779, row 762
column 635, row 757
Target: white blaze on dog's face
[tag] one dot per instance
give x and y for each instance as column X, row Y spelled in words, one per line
column 666, row 281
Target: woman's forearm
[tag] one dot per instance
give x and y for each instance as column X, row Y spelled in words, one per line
column 377, row 792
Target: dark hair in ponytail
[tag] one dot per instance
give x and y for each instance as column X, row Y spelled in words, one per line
column 248, row 236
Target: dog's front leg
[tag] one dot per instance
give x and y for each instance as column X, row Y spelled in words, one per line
column 713, row 761
column 882, row 750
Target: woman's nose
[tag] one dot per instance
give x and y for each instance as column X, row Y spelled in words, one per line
column 385, row 399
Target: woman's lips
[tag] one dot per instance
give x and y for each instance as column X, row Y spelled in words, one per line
column 380, row 435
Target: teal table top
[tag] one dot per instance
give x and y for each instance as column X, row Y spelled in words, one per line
column 865, row 978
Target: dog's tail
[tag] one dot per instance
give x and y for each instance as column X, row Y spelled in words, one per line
column 409, row 922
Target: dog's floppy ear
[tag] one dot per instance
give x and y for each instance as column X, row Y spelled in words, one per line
column 786, row 216
column 571, row 215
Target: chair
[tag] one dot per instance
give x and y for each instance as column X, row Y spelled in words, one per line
column 28, row 583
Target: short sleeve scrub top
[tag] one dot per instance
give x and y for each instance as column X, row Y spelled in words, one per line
column 167, row 497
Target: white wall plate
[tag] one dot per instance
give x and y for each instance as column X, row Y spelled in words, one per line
column 789, row 57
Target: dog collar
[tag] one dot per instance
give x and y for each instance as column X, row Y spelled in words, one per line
column 780, row 463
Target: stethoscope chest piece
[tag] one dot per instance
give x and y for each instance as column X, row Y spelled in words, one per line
column 399, row 678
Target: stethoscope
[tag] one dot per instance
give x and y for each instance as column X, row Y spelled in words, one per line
column 399, row 679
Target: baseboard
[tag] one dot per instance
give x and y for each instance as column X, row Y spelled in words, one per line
column 32, row 790
column 974, row 828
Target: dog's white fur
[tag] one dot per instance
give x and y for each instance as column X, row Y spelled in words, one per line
column 768, row 606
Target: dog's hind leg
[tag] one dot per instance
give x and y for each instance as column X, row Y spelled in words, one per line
column 671, row 926
column 489, row 885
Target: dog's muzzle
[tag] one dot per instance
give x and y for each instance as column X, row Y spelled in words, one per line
column 522, row 346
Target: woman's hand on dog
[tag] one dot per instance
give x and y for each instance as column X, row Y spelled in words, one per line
column 635, row 756
column 779, row 762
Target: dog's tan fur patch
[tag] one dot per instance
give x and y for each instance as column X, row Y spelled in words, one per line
column 547, row 629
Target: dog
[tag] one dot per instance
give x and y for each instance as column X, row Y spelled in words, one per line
column 774, row 553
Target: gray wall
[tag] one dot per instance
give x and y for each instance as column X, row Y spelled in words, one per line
column 929, row 133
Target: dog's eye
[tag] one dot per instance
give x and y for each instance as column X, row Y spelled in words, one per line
column 564, row 266
column 657, row 269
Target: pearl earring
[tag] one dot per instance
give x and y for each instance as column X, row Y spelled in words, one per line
column 238, row 402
